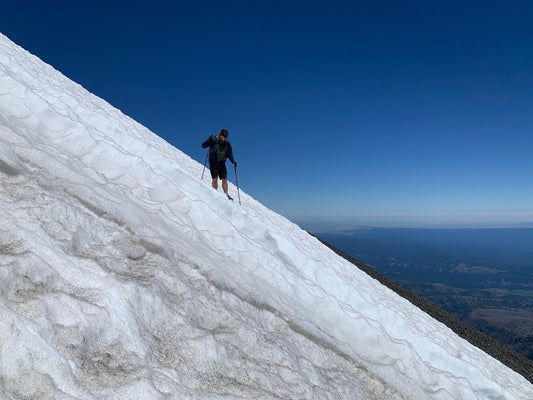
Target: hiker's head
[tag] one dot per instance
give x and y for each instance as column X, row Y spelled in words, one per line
column 224, row 133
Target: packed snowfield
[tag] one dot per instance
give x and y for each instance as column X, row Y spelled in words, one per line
column 124, row 275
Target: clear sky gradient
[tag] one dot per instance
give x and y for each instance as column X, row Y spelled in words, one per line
column 364, row 112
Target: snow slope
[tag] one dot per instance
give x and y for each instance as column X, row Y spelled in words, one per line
column 124, row 276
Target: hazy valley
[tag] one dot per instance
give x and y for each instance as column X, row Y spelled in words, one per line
column 482, row 276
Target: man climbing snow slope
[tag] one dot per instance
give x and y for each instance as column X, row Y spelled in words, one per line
column 219, row 150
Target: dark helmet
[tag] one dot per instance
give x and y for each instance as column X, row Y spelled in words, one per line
column 224, row 132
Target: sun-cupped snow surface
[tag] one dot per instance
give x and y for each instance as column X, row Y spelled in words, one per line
column 123, row 275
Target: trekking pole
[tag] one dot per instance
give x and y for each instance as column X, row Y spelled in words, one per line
column 237, row 181
column 205, row 162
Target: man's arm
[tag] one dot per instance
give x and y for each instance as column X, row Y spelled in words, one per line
column 209, row 142
column 230, row 154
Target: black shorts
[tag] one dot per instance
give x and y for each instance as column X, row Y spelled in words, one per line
column 218, row 170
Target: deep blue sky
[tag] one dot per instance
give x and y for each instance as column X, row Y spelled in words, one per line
column 371, row 112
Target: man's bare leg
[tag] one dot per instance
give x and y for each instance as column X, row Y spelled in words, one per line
column 225, row 185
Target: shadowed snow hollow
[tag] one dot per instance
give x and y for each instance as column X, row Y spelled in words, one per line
column 124, row 276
